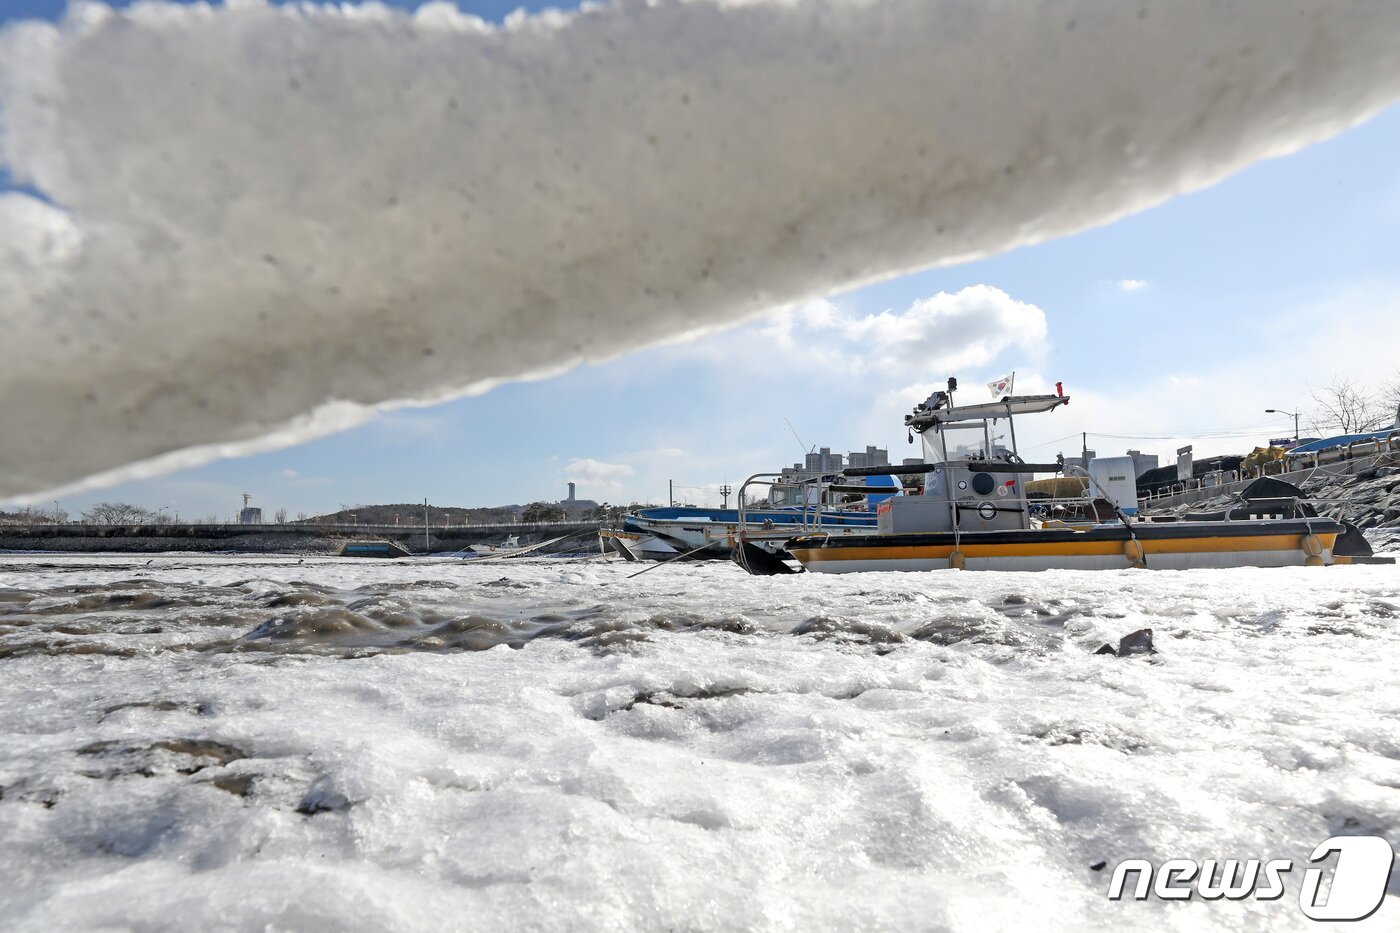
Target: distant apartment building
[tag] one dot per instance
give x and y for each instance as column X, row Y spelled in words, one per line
column 872, row 457
column 823, row 462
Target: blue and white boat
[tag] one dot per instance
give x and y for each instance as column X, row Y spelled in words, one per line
column 712, row 532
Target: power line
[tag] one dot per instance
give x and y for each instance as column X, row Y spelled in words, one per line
column 1232, row 432
column 1223, row 434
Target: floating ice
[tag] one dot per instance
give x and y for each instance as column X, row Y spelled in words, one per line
column 264, row 218
column 212, row 741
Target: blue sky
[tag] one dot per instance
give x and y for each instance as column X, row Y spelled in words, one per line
column 1182, row 321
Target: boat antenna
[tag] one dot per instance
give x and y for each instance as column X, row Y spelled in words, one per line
column 805, row 449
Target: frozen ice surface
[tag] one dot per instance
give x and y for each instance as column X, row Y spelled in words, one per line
column 419, row 744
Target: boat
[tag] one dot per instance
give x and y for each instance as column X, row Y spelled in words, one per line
column 713, row 532
column 511, row 548
column 661, row 533
column 633, row 545
column 372, row 549
column 511, row 543
column 977, row 514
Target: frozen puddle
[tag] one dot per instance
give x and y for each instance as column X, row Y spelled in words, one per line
column 241, row 742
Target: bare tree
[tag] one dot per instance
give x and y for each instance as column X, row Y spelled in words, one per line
column 280, row 516
column 1391, row 399
column 117, row 513
column 1345, row 406
column 29, row 515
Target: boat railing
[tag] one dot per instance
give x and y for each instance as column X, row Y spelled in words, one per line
column 814, row 498
column 818, row 491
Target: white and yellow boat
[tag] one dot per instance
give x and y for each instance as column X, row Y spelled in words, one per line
column 1167, row 546
column 976, row 513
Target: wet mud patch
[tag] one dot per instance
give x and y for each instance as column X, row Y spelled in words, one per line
column 36, row 792
column 158, row 706
column 116, row 758
column 297, row 599
column 61, row 648
column 955, row 630
column 472, row 633
column 10, row 598
column 881, row 637
column 1101, row 735
column 312, row 626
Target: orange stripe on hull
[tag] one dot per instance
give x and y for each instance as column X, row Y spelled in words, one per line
column 1221, row 544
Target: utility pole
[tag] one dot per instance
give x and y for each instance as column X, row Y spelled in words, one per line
column 671, row 492
column 1280, row 411
column 725, row 491
column 425, row 525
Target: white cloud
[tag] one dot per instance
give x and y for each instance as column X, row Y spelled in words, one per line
column 271, row 211
column 1132, row 285
column 595, row 474
column 949, row 332
column 290, row 473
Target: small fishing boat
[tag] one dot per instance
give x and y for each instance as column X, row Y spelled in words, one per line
column 713, row 532
column 511, row 543
column 635, row 545
column 976, row 514
column 372, row 549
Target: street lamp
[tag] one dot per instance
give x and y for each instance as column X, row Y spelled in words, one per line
column 1293, row 414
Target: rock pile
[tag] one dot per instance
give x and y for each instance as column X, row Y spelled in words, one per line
column 1370, row 500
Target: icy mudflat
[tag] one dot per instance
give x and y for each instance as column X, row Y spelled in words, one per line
column 239, row 742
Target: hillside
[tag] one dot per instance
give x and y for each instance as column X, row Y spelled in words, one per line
column 412, row 514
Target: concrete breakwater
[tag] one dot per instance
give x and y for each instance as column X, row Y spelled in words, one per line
column 285, row 538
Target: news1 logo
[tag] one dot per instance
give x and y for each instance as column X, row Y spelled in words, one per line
column 1358, row 885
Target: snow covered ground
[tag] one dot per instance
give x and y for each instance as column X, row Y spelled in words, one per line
column 206, row 742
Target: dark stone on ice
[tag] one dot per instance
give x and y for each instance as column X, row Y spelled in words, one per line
column 1139, row 642
column 322, row 798
column 1100, row 865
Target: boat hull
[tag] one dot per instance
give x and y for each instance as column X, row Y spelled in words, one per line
column 1175, row 546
